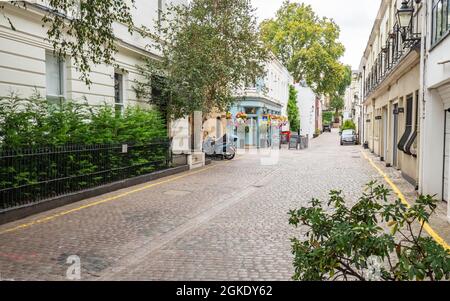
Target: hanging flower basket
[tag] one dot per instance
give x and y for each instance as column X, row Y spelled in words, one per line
column 241, row 115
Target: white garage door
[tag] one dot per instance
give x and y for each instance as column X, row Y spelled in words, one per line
column 447, row 156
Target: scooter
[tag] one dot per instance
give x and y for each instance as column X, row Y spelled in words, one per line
column 224, row 147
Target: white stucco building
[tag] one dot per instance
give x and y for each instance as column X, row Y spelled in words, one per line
column 269, row 96
column 434, row 109
column 390, row 70
column 405, row 87
column 350, row 97
column 27, row 64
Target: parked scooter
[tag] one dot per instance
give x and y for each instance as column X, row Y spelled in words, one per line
column 224, row 147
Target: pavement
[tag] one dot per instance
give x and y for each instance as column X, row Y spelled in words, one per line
column 227, row 221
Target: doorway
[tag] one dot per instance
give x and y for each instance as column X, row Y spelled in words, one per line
column 251, row 132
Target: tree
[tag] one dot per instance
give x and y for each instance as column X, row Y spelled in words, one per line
column 292, row 110
column 336, row 104
column 337, row 98
column 307, row 45
column 210, row 48
column 83, row 30
column 342, row 243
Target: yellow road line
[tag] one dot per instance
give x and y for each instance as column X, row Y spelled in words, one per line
column 116, row 197
column 401, row 196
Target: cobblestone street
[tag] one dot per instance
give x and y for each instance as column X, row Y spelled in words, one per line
column 227, row 221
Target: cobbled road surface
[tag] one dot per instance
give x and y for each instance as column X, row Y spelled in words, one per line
column 228, row 221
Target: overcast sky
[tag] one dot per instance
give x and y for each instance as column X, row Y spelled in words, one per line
column 354, row 17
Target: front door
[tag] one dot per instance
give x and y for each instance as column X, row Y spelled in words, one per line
column 385, row 133
column 251, row 132
column 395, row 135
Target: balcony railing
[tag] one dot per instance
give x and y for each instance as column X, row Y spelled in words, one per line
column 398, row 45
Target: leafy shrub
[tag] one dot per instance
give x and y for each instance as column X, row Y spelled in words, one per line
column 35, row 122
column 348, row 125
column 74, row 144
column 351, row 244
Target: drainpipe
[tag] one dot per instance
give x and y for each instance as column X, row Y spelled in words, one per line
column 372, row 120
column 362, row 105
column 423, row 67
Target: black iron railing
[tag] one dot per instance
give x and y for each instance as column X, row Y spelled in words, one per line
column 399, row 43
column 34, row 174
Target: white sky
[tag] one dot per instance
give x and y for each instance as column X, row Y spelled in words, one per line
column 354, row 17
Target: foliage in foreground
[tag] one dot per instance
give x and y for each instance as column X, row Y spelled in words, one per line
column 343, row 243
column 209, row 48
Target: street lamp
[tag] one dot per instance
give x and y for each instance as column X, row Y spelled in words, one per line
column 404, row 15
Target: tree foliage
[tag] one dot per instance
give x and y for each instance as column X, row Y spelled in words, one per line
column 307, row 45
column 83, row 30
column 209, row 49
column 337, row 104
column 348, row 125
column 292, row 110
column 354, row 243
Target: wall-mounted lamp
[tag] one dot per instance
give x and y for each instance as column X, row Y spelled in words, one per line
column 404, row 17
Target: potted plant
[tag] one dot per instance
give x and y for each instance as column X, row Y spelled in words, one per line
column 317, row 133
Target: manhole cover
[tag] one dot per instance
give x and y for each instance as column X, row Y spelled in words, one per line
column 177, row 192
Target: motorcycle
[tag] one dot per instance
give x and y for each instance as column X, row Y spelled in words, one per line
column 224, row 147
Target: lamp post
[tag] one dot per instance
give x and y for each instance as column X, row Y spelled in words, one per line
column 404, row 17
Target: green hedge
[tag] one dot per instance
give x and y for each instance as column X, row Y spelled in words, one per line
column 36, row 122
column 48, row 150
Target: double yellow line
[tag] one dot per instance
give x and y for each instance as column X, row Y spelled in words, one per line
column 394, row 187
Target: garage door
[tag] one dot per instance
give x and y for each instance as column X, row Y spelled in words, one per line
column 446, row 156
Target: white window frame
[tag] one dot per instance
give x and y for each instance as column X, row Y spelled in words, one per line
column 61, row 78
column 119, row 102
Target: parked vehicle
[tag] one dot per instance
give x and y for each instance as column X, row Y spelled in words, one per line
column 327, row 128
column 224, row 147
column 348, row 137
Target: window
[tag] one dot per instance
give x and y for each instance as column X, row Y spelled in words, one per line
column 118, row 93
column 440, row 19
column 54, row 77
column 411, row 145
column 408, row 126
